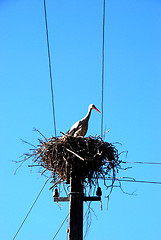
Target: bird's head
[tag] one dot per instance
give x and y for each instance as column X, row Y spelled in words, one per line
column 92, row 106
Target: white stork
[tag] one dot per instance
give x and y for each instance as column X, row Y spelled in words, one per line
column 80, row 128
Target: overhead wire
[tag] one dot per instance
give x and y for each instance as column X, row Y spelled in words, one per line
column 134, row 181
column 53, row 109
column 60, row 227
column 102, row 102
column 30, row 209
column 103, row 50
column 155, row 163
column 50, row 69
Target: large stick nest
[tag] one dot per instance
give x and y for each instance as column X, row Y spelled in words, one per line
column 91, row 158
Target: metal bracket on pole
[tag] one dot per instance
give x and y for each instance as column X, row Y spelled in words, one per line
column 91, row 199
column 66, row 199
column 61, row 199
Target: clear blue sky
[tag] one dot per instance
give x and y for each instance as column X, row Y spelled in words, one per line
column 131, row 107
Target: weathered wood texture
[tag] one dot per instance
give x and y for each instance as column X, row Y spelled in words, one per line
column 76, row 209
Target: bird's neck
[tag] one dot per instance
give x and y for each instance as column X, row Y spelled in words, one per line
column 88, row 114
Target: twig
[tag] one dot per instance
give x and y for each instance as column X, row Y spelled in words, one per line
column 27, row 143
column 36, row 130
column 55, row 184
column 75, row 154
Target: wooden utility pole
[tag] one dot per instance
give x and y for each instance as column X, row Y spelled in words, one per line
column 76, row 207
column 76, row 199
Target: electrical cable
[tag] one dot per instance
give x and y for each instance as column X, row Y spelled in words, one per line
column 143, row 162
column 103, row 65
column 103, row 100
column 50, row 70
column 133, row 180
column 30, row 209
column 52, row 94
column 60, row 226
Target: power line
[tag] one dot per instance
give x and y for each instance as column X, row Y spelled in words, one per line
column 60, row 226
column 133, row 180
column 103, row 65
column 52, row 94
column 143, row 162
column 50, row 71
column 30, row 209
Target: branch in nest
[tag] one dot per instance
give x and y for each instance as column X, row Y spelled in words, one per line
column 54, row 185
column 75, row 154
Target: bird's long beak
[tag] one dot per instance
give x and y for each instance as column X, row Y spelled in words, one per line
column 96, row 109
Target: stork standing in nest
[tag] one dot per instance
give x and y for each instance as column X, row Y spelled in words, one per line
column 80, row 128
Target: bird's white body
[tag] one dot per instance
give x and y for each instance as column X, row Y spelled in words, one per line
column 80, row 128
